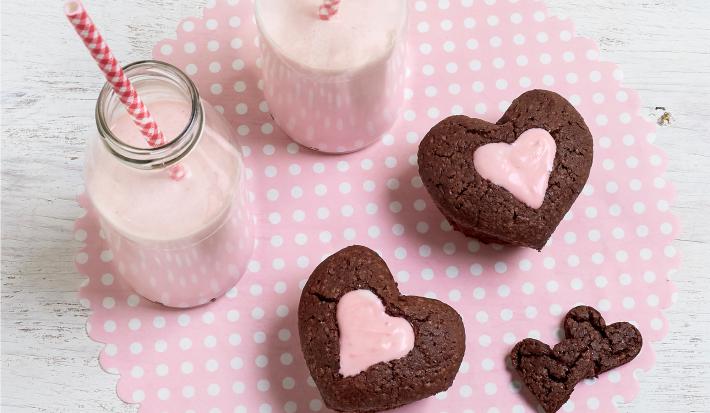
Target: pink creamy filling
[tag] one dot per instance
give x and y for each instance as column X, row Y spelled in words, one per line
column 368, row 335
column 522, row 168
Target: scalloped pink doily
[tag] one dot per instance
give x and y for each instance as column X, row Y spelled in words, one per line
column 241, row 353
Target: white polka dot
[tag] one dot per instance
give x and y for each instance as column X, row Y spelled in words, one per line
column 211, row 24
column 528, row 288
column 628, row 302
column 288, row 383
column 490, row 388
column 257, row 313
column 400, row 253
column 666, row 228
column 215, row 67
column 109, row 326
column 652, row 300
column 108, row 303
column 315, row 405
column 525, row 265
column 188, row 26
column 419, row 205
column 576, row 284
column 509, row 338
column 138, row 396
column 186, row 367
column 452, row 271
column 482, row 317
column 162, row 370
column 552, row 286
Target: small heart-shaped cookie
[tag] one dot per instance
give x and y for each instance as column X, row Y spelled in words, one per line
column 551, row 373
column 611, row 346
column 590, row 348
column 374, row 379
column 518, row 204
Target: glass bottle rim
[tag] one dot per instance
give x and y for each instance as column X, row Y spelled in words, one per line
column 176, row 148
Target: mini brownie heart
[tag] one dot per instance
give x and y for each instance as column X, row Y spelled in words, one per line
column 369, row 348
column 513, row 181
column 611, row 346
column 551, row 373
column 590, row 348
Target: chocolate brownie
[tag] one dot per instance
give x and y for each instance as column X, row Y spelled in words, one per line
column 431, row 365
column 483, row 210
column 590, row 348
column 611, row 346
column 551, row 373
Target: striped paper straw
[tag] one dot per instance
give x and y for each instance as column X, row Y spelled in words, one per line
column 112, row 70
column 328, row 9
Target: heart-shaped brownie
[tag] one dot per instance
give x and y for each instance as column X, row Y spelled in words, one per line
column 590, row 348
column 412, row 350
column 493, row 181
column 611, row 346
column 551, row 373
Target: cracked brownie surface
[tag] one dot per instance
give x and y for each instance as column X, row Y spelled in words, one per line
column 551, row 373
column 483, row 210
column 611, row 346
column 428, row 369
column 590, row 348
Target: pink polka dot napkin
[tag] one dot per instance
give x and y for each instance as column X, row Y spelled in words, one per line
column 241, row 353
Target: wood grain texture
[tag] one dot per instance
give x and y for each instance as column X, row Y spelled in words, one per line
column 48, row 89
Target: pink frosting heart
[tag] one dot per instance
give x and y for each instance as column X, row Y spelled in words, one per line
column 523, row 167
column 368, row 335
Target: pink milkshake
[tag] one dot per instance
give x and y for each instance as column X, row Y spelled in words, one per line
column 333, row 85
column 177, row 242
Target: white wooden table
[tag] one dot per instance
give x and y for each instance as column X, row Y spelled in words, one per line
column 49, row 87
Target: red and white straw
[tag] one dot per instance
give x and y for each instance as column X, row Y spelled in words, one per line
column 108, row 64
column 89, row 34
column 328, row 9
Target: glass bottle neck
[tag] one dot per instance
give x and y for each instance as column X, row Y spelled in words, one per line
column 155, row 82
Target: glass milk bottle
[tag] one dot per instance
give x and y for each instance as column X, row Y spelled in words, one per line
column 333, row 85
column 177, row 240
